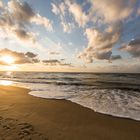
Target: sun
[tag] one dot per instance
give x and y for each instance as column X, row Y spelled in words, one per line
column 8, row 59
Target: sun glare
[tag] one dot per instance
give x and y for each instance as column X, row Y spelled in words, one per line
column 5, row 82
column 8, row 59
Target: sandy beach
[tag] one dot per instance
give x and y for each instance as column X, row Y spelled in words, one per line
column 25, row 117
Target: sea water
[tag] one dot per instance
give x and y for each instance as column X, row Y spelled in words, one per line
column 108, row 93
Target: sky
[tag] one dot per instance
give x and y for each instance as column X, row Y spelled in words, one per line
column 70, row 35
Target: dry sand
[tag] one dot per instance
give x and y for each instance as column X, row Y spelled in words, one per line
column 24, row 117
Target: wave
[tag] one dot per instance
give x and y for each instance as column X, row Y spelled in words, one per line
column 115, row 102
column 85, row 85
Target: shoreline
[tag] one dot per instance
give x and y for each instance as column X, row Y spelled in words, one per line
column 62, row 119
column 121, row 117
column 104, row 113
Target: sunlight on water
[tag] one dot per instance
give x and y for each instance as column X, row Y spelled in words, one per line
column 5, row 82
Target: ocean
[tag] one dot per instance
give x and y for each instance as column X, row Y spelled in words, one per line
column 108, row 93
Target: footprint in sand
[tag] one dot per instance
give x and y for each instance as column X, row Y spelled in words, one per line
column 12, row 129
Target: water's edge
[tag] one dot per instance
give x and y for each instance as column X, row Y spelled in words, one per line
column 116, row 116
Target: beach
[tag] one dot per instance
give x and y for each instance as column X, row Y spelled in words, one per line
column 23, row 116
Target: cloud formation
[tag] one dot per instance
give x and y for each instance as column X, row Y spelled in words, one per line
column 1, row 4
column 61, row 11
column 39, row 20
column 100, row 44
column 20, row 58
column 101, row 14
column 55, row 62
column 133, row 48
column 30, row 58
column 17, row 17
column 112, row 10
column 108, row 15
column 78, row 13
column 115, row 57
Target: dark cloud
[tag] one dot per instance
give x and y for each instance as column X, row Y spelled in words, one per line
column 1, row 4
column 133, row 48
column 35, row 60
column 55, row 62
column 31, row 55
column 22, row 12
column 51, row 62
column 22, row 34
column 20, row 58
column 135, row 42
column 103, row 55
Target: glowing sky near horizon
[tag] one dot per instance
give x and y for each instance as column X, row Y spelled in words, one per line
column 70, row 35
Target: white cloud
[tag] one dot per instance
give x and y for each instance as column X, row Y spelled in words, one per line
column 39, row 20
column 1, row 4
column 55, row 9
column 67, row 27
column 16, row 19
column 100, row 44
column 110, row 15
column 112, row 10
column 77, row 12
column 60, row 10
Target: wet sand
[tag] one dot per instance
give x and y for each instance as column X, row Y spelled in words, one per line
column 24, row 117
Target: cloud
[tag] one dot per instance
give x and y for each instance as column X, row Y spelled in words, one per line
column 100, row 44
column 39, row 20
column 67, row 27
column 1, row 4
column 54, row 53
column 24, row 35
column 115, row 57
column 55, row 62
column 58, row 9
column 16, row 19
column 52, row 62
column 78, row 13
column 30, row 58
column 20, row 58
column 109, row 10
column 31, row 55
column 133, row 48
column 21, row 12
column 138, row 12
column 108, row 18
column 61, row 11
